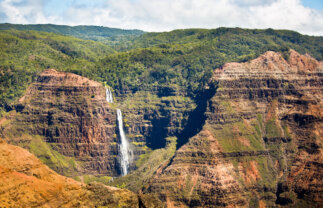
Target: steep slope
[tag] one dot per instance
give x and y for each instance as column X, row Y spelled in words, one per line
column 26, row 182
column 261, row 143
column 72, row 126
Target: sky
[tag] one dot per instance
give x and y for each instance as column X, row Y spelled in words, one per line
column 304, row 16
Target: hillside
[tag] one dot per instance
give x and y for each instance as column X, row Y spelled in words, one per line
column 180, row 59
column 186, row 58
column 26, row 53
column 97, row 33
column 26, row 182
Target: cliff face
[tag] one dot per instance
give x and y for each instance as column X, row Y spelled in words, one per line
column 74, row 125
column 260, row 144
column 26, row 182
column 65, row 120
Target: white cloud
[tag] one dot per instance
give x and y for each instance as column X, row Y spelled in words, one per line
column 157, row 15
column 23, row 12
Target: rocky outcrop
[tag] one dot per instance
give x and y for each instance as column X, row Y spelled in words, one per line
column 76, row 124
column 261, row 143
column 26, row 182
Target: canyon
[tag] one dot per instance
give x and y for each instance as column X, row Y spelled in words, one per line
column 260, row 144
column 251, row 138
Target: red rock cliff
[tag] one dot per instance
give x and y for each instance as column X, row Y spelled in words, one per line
column 261, row 144
column 72, row 116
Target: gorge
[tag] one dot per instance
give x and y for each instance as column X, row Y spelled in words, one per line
column 173, row 125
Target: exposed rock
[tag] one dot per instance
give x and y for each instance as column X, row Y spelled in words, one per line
column 72, row 116
column 26, row 182
column 263, row 128
column 78, row 126
column 252, row 139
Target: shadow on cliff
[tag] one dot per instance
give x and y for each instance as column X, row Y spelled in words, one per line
column 197, row 117
column 195, row 123
column 159, row 132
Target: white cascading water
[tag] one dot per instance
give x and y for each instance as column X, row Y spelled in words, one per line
column 108, row 94
column 125, row 151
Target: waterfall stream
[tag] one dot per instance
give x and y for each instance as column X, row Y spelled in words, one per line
column 108, row 94
column 125, row 151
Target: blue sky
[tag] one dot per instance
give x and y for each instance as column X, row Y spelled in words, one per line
column 315, row 4
column 305, row 16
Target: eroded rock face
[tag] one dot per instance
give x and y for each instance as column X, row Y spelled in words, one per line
column 74, row 119
column 26, row 182
column 261, row 144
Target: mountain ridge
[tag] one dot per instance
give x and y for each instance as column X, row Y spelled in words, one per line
column 86, row 32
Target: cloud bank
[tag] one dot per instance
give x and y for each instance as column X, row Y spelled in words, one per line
column 165, row 15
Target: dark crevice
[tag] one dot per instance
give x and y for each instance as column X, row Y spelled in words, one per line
column 197, row 117
column 140, row 203
column 159, row 132
column 279, row 199
column 160, row 122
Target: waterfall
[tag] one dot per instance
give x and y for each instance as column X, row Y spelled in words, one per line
column 108, row 94
column 125, row 151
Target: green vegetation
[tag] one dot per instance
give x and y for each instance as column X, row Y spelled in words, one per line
column 23, row 54
column 49, row 156
column 272, row 130
column 107, row 35
column 90, row 178
column 187, row 58
column 180, row 60
column 164, row 73
column 147, row 166
column 240, row 135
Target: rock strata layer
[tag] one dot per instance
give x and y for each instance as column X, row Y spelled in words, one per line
column 76, row 124
column 261, row 144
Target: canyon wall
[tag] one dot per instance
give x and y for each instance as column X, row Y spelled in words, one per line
column 261, row 140
column 66, row 121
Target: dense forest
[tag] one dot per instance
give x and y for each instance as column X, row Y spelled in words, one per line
column 97, row 33
column 133, row 60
